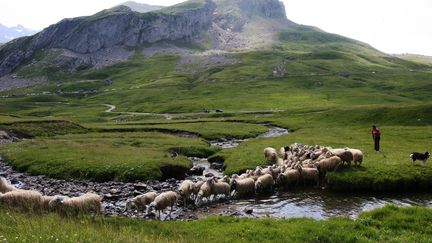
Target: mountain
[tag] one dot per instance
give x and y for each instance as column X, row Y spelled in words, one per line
column 140, row 7
column 86, row 41
column 8, row 34
column 236, row 55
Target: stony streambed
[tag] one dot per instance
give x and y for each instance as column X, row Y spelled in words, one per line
column 314, row 203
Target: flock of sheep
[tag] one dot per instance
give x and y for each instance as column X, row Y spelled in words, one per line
column 295, row 164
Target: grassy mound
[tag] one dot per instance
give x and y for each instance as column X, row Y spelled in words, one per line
column 208, row 130
column 42, row 128
column 104, row 156
column 389, row 224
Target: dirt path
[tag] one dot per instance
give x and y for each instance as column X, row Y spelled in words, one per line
column 111, row 109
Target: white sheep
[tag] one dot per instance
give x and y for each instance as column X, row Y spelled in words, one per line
column 23, row 199
column 219, row 188
column 309, row 174
column 279, row 162
column 164, row 200
column 270, row 154
column 282, row 152
column 329, row 164
column 264, row 183
column 204, row 192
column 344, row 154
column 288, row 177
column 5, row 186
column 140, row 202
column 357, row 156
column 45, row 201
column 87, row 203
column 186, row 189
column 243, row 187
column 197, row 187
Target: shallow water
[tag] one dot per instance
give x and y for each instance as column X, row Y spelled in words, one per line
column 232, row 143
column 315, row 203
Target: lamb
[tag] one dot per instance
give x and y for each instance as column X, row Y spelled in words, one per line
column 186, row 189
column 357, row 156
column 329, row 164
column 419, row 156
column 344, row 154
column 86, row 203
column 23, row 199
column 205, row 191
column 270, row 154
column 243, row 187
column 5, row 186
column 218, row 188
column 164, row 200
column 309, row 174
column 264, row 184
column 140, row 202
column 288, row 178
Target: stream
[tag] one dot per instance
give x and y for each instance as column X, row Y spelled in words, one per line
column 318, row 204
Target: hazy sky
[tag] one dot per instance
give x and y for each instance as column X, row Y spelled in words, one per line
column 393, row 26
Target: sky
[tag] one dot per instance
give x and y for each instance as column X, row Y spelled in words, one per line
column 392, row 26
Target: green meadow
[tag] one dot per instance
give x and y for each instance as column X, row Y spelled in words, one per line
column 389, row 224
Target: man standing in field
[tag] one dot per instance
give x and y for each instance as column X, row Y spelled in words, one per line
column 376, row 135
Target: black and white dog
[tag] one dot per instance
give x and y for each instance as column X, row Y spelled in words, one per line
column 419, row 156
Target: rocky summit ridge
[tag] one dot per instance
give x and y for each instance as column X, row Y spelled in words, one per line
column 84, row 39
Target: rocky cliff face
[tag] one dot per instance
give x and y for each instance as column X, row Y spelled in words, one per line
column 120, row 26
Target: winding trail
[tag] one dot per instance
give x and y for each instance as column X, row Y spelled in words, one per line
column 111, row 109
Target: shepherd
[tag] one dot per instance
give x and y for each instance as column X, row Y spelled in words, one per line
column 376, row 135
